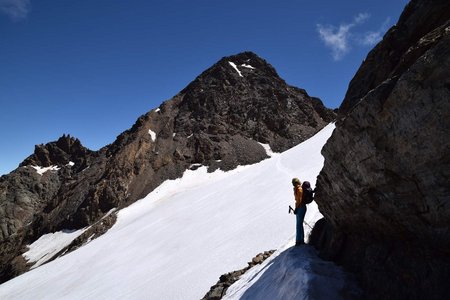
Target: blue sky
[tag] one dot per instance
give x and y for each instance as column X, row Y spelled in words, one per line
column 90, row 68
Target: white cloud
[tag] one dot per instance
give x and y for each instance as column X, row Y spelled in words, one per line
column 370, row 38
column 340, row 39
column 16, row 9
column 361, row 18
column 336, row 38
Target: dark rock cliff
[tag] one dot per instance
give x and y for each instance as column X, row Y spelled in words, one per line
column 385, row 186
column 219, row 121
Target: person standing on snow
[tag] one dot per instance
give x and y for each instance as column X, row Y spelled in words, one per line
column 300, row 211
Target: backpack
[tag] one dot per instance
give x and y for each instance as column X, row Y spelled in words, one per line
column 308, row 193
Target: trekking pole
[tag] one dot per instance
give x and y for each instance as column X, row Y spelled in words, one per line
column 307, row 225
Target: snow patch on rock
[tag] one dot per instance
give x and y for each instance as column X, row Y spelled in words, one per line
column 269, row 151
column 247, row 66
column 42, row 170
column 152, row 135
column 235, row 67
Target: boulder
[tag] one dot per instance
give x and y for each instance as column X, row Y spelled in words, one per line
column 385, row 185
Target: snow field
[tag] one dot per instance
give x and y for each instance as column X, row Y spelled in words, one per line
column 177, row 241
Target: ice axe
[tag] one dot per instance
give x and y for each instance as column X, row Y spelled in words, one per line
column 291, row 209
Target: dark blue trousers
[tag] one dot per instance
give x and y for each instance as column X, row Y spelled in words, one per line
column 300, row 237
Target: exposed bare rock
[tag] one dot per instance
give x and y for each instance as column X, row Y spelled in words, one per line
column 417, row 30
column 385, row 185
column 218, row 290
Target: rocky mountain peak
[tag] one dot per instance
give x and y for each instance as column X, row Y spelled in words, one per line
column 68, row 143
column 66, row 149
column 236, row 71
column 243, row 94
column 247, row 63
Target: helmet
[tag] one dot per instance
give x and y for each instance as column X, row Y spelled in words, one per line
column 296, row 181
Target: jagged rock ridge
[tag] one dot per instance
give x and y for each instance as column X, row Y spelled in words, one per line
column 218, row 290
column 219, row 120
column 385, row 187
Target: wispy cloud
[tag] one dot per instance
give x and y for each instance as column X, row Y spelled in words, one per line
column 340, row 39
column 17, row 10
column 361, row 18
column 336, row 39
column 370, row 38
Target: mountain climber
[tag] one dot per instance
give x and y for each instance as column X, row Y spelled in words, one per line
column 300, row 211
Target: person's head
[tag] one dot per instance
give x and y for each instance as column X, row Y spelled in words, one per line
column 296, row 181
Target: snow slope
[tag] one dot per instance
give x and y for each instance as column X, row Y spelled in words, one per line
column 177, row 241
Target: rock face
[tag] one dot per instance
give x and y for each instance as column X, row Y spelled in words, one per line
column 219, row 121
column 385, row 189
column 219, row 290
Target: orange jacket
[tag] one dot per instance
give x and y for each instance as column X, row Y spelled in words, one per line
column 298, row 193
